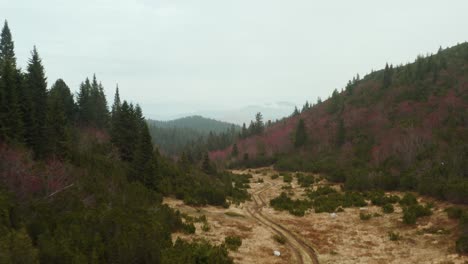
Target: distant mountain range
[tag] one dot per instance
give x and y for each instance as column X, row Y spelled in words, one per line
column 242, row 114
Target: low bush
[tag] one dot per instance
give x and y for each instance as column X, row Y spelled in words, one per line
column 205, row 227
column 188, row 228
column 408, row 200
column 280, row 239
column 413, row 212
column 454, row 212
column 394, row 236
column 274, row 176
column 388, row 208
column 233, row 242
column 287, row 178
column 364, row 216
column 305, row 180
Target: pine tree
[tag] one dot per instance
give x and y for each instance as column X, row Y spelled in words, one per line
column 300, row 137
column 116, row 105
column 244, row 131
column 387, row 76
column 36, row 85
column 295, row 112
column 7, row 46
column 56, row 126
column 258, row 126
column 206, row 164
column 61, row 91
column 341, row 133
column 11, row 124
column 235, row 151
column 83, row 102
column 143, row 167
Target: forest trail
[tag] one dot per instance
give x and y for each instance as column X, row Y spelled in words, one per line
column 303, row 252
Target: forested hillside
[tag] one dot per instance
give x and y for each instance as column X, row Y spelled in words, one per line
column 81, row 183
column 403, row 127
column 194, row 135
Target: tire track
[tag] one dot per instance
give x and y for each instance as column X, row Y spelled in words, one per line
column 302, row 251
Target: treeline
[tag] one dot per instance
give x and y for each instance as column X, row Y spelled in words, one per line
column 174, row 141
column 80, row 183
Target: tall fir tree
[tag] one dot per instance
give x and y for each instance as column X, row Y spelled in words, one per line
column 36, row 87
column 11, row 123
column 300, row 136
column 143, row 165
column 235, row 150
column 60, row 91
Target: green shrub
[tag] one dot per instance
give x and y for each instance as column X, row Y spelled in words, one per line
column 388, row 208
column 454, row 212
column 413, row 212
column 188, row 228
column 205, row 227
column 233, row 242
column 287, row 178
column 305, row 180
column 461, row 244
column 364, row 216
column 280, row 239
column 408, row 199
column 394, row 236
column 274, row 176
column 379, row 198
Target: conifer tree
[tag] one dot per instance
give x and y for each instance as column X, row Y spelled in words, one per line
column 11, row 123
column 83, row 102
column 143, row 166
column 295, row 112
column 60, row 91
column 244, row 131
column 235, row 151
column 36, row 87
column 259, row 126
column 56, row 125
column 116, row 105
column 341, row 133
column 300, row 137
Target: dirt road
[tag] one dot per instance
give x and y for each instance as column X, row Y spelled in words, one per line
column 303, row 251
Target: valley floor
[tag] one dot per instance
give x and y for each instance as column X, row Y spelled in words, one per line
column 319, row 237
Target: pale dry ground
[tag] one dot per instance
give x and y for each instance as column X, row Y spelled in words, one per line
column 344, row 239
column 257, row 242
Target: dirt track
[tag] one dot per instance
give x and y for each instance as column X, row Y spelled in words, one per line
column 318, row 238
column 303, row 252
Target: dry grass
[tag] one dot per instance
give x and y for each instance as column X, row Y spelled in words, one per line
column 344, row 239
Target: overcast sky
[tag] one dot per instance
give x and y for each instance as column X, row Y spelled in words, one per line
column 187, row 56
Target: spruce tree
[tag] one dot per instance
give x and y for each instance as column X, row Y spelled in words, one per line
column 83, row 102
column 60, row 91
column 56, row 127
column 341, row 133
column 7, row 46
column 259, row 126
column 36, row 86
column 295, row 112
column 300, row 137
column 235, row 151
column 11, row 123
column 117, row 103
column 143, row 167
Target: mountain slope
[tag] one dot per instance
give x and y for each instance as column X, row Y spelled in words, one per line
column 404, row 127
column 196, row 123
column 175, row 136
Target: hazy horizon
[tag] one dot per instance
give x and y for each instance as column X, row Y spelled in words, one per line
column 179, row 58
